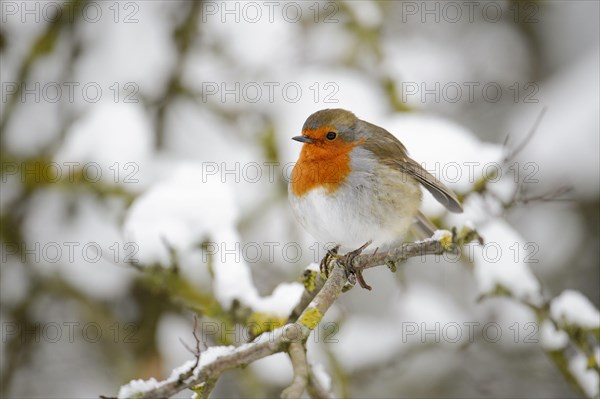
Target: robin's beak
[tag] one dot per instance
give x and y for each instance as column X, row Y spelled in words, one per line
column 303, row 139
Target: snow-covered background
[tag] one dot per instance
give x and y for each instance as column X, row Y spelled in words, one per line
column 145, row 150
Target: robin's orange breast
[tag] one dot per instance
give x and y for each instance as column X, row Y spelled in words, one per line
column 329, row 174
column 321, row 164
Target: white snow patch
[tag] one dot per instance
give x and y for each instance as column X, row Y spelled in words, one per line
column 573, row 307
column 441, row 234
column 213, row 353
column 501, row 261
column 233, row 279
column 181, row 211
column 313, row 267
column 136, row 387
column 112, row 143
column 588, row 378
column 282, row 301
column 551, row 338
column 268, row 336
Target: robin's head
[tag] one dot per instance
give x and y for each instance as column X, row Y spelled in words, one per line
column 329, row 136
column 329, row 133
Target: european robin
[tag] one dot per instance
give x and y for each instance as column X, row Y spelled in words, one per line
column 354, row 183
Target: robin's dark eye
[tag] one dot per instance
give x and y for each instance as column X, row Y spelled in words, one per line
column 331, row 135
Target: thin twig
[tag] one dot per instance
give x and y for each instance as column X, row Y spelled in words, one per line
column 200, row 344
column 527, row 138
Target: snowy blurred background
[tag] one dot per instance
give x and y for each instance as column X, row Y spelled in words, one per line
column 145, row 149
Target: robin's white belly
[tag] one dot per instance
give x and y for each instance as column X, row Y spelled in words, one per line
column 374, row 203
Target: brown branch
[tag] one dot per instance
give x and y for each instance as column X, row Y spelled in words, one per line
column 290, row 338
column 307, row 297
column 266, row 345
column 297, row 352
column 399, row 254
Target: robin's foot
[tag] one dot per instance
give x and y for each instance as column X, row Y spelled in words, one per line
column 351, row 270
column 325, row 264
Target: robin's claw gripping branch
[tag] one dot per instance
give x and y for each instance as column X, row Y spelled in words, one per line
column 348, row 262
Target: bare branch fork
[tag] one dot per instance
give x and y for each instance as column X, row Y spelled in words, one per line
column 202, row 375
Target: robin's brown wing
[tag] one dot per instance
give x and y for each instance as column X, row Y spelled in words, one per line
column 391, row 152
column 443, row 194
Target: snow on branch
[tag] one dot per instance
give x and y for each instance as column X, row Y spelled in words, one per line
column 201, row 374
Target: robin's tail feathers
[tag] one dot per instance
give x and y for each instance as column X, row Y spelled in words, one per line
column 422, row 228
